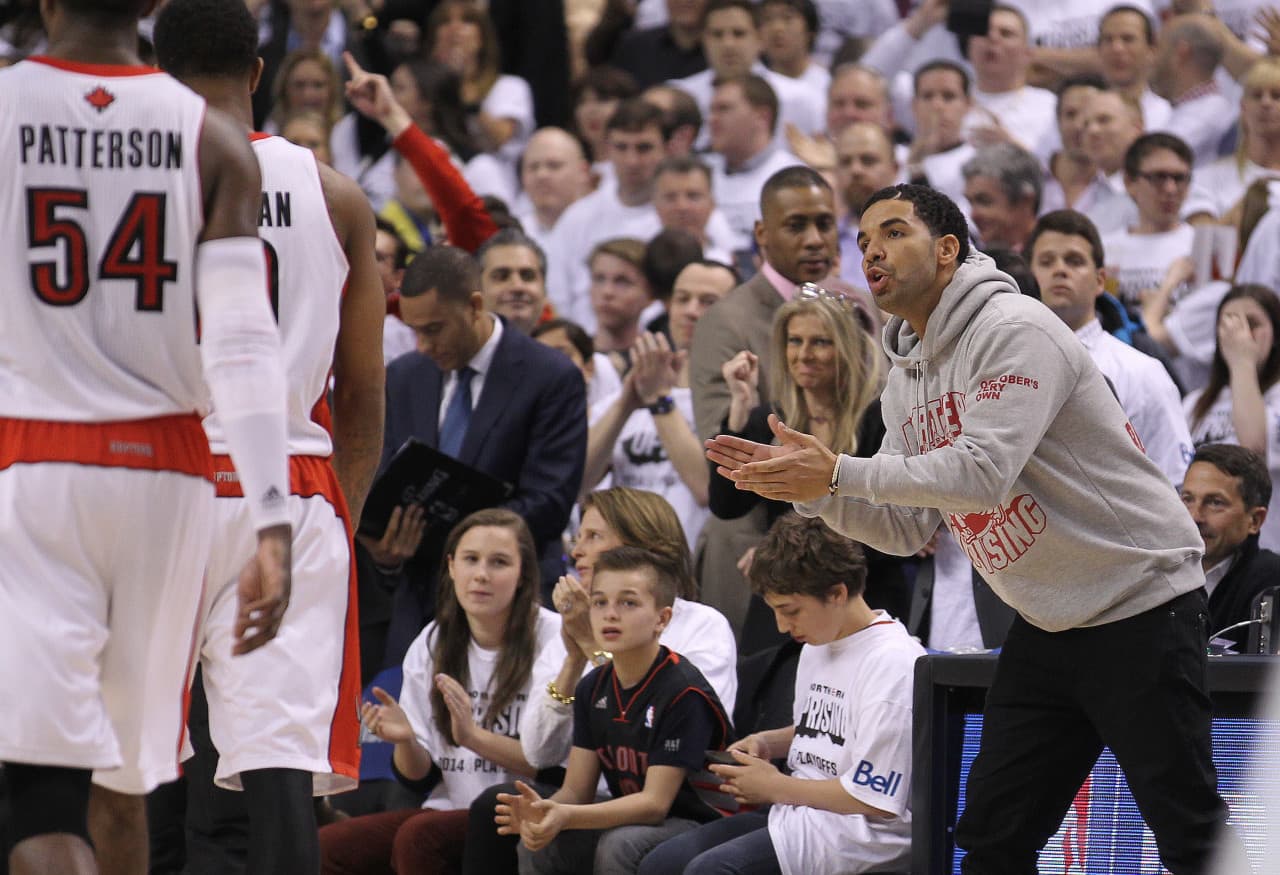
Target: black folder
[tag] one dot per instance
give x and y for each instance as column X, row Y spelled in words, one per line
column 447, row 489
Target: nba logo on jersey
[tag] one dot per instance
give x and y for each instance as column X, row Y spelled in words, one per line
column 648, row 717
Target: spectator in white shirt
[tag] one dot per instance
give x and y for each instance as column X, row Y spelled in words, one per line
column 635, row 142
column 731, row 42
column 1066, row 257
column 619, row 295
column 1127, row 53
column 1073, row 181
column 1157, row 176
column 554, row 174
column 938, row 150
column 682, row 195
column 744, row 115
column 857, row 94
column 1219, row 186
column 1189, row 52
column 1112, row 122
column 1007, row 108
column 788, row 29
column 1003, row 184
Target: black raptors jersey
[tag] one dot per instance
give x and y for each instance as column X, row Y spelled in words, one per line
column 671, row 718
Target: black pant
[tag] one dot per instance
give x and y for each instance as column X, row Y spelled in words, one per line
column 1136, row 685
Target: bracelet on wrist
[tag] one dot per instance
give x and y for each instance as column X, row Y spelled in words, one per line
column 663, row 405
column 557, row 695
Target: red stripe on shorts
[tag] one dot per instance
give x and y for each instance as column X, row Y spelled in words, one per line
column 165, row 443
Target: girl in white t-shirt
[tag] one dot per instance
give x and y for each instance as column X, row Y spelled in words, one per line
column 845, row 807
column 1241, row 403
column 467, row 680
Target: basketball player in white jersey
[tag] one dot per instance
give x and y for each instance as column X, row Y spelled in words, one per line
column 284, row 719
column 137, row 205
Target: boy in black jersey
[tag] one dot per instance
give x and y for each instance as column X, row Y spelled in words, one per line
column 645, row 721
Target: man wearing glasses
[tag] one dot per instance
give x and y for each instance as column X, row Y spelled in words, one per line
column 1157, row 175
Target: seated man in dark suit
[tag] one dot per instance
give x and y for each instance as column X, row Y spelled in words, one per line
column 486, row 394
column 1227, row 490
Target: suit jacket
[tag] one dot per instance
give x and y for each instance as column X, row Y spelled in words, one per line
column 528, row 428
column 1253, row 570
column 994, row 616
column 741, row 320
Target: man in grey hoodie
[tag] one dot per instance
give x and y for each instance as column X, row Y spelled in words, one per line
column 1000, row 426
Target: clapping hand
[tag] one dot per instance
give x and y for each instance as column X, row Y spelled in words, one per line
column 799, row 468
column 571, row 600
column 387, row 720
column 536, row 820
column 655, row 367
column 462, row 719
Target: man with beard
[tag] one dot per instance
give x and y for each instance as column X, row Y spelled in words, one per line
column 864, row 164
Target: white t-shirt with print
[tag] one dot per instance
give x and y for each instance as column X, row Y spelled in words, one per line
column 1140, row 261
column 1216, row 427
column 852, row 717
column 640, row 461
column 464, row 773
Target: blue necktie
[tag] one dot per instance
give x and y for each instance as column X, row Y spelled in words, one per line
column 458, row 415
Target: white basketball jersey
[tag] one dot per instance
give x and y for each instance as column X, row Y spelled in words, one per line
column 307, row 274
column 102, row 203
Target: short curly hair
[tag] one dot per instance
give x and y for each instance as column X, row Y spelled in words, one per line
column 801, row 556
column 938, row 212
column 206, row 38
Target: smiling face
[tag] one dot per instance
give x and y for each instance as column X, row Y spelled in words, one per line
column 594, row 537
column 485, row 569
column 624, row 613
column 1213, row 499
column 811, row 353
column 808, row 619
column 798, row 233
column 1069, row 280
column 906, row 267
column 513, row 285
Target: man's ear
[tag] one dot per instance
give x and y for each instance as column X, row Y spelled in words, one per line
column 1257, row 516
column 255, row 75
column 948, row 249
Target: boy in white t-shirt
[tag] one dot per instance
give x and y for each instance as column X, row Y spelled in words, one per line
column 1157, row 176
column 846, row 802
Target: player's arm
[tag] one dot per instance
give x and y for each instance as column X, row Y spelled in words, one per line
column 359, row 377
column 240, row 347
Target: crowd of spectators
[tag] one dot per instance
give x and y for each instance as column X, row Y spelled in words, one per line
column 611, row 229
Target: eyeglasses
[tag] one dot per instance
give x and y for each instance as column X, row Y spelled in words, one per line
column 814, row 292
column 1160, row 177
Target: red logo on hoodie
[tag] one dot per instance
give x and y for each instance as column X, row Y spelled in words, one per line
column 936, row 424
column 995, row 539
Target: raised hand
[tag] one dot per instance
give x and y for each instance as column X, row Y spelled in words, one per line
column 655, row 367
column 462, row 718
column 387, row 720
column 571, row 600
column 798, row 469
column 1240, row 349
column 262, row 593
column 515, row 809
column 371, row 95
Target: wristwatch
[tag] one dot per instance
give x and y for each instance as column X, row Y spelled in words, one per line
column 665, row 404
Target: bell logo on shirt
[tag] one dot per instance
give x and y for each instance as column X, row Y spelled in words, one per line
column 864, row 775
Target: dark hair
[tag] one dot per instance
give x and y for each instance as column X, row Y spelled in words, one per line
column 803, row 556
column 1078, row 80
column 808, row 11
column 206, row 38
column 440, row 85
column 1268, row 371
column 682, row 164
column 1022, row 16
column 451, row 271
column 665, row 256
column 645, row 519
column 719, row 265
column 490, row 61
column 1140, row 148
column 634, row 115
column 1148, row 28
column 607, row 83
column 110, row 12
column 500, row 213
column 452, row 638
column 796, row 176
column 938, row 212
column 1253, row 480
column 514, row 237
column 575, row 333
column 1018, row 269
column 757, row 92
column 747, row 6
column 625, row 558
column 1070, row 222
column 402, row 248
column 684, row 111
column 944, row 65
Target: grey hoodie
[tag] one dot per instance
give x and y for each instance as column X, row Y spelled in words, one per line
column 1000, row 426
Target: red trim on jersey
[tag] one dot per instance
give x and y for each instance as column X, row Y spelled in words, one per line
column 255, row 136
column 321, row 415
column 192, row 655
column 166, row 443
column 314, row 476
column 672, row 657
column 95, row 69
column 719, row 712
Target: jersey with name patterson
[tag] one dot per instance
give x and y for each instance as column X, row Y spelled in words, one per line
column 306, row 276
column 671, row 718
column 103, row 203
